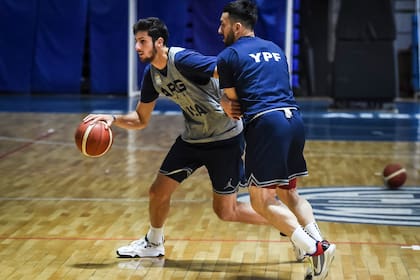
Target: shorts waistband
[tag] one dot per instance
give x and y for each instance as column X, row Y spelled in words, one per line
column 287, row 112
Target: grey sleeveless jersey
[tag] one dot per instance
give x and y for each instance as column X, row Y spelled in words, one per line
column 205, row 120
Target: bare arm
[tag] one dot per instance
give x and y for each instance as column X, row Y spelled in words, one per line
column 230, row 104
column 229, row 101
column 138, row 119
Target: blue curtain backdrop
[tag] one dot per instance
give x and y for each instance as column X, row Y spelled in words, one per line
column 205, row 17
column 174, row 14
column 17, row 33
column 59, row 40
column 42, row 41
column 108, row 21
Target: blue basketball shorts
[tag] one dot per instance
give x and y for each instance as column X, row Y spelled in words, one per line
column 274, row 149
column 223, row 160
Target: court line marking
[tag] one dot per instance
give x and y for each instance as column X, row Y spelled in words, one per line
column 99, row 199
column 309, row 152
column 29, row 143
column 412, row 247
column 198, row 240
column 401, row 245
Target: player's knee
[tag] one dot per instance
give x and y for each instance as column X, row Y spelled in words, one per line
column 226, row 217
column 225, row 214
column 157, row 193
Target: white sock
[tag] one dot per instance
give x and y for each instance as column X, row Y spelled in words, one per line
column 313, row 230
column 302, row 240
column 155, row 235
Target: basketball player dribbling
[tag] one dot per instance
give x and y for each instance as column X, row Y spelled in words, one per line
column 210, row 138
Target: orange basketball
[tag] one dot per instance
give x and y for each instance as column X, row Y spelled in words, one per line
column 394, row 175
column 93, row 140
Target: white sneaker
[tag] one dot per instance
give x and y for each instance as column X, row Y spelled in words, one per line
column 322, row 260
column 299, row 253
column 141, row 248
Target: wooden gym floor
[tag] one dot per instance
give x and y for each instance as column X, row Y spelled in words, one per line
column 62, row 215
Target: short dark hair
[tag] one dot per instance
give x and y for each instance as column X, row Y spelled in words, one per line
column 155, row 28
column 244, row 11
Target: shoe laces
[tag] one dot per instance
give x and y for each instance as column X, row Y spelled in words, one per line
column 139, row 243
column 145, row 243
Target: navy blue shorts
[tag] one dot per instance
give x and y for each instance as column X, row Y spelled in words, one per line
column 274, row 149
column 223, row 160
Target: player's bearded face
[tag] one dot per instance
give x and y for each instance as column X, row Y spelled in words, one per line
column 145, row 47
column 148, row 56
column 225, row 29
column 229, row 38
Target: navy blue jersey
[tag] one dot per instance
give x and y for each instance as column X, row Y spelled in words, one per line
column 258, row 70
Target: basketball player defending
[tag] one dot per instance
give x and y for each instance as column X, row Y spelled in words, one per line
column 210, row 137
column 254, row 75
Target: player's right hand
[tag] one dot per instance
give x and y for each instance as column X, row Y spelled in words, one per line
column 93, row 118
column 231, row 107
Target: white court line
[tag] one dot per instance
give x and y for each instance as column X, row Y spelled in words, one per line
column 95, row 199
column 65, row 143
column 412, row 247
column 309, row 152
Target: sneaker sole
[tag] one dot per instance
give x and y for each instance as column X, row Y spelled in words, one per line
column 138, row 256
column 309, row 273
column 299, row 260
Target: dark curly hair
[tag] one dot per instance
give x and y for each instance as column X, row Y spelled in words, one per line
column 155, row 28
column 244, row 11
